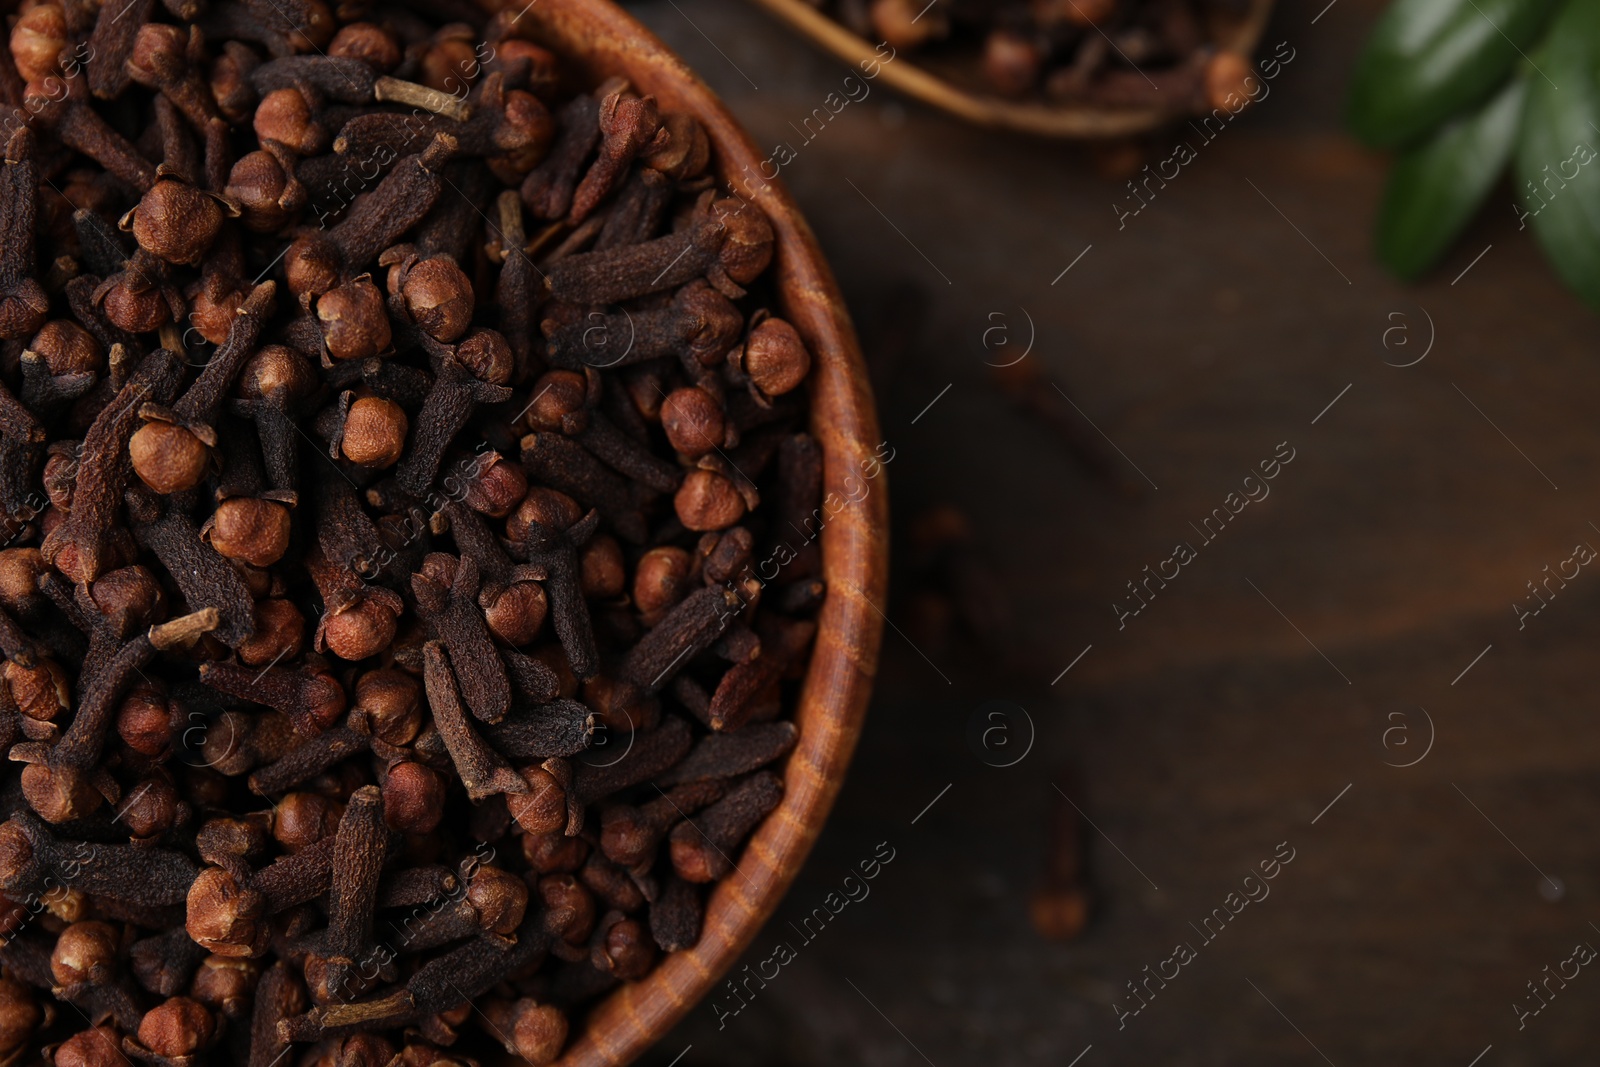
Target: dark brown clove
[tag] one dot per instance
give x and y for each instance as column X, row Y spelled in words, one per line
column 639, row 208
column 84, row 542
column 164, row 964
column 517, row 285
column 279, row 996
column 308, row 759
column 701, row 325
column 782, row 647
column 614, row 274
column 23, row 304
column 548, row 188
column 312, row 699
column 73, row 759
column 494, row 122
column 442, row 983
column 296, row 878
column 115, row 31
column 676, row 916
column 359, row 849
column 203, row 575
column 566, row 465
column 555, row 553
column 482, row 771
column 650, row 754
column 21, row 455
column 317, row 260
column 702, row 846
column 459, row 624
column 492, row 906
column 685, row 632
column 558, row 728
column 728, row 755
column 629, row 835
column 169, row 452
column 163, row 58
column 628, row 125
column 474, row 372
column 133, row 874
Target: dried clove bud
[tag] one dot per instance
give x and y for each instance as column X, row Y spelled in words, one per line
column 701, row 846
column 676, row 915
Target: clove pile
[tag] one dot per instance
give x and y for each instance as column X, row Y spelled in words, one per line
column 1104, row 53
column 392, row 430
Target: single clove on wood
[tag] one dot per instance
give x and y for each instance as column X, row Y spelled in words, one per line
column 1063, row 902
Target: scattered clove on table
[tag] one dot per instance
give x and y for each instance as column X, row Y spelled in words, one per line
column 1061, row 906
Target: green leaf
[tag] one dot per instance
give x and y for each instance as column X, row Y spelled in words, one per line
column 1557, row 165
column 1437, row 187
column 1429, row 60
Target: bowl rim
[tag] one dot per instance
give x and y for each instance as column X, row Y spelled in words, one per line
column 1071, row 121
column 596, row 39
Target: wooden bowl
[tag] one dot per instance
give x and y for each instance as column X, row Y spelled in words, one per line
column 598, row 40
column 1074, row 121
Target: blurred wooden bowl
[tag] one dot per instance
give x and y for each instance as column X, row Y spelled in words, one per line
column 1071, row 121
column 598, row 40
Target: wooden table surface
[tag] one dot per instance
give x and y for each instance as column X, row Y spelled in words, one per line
column 1373, row 590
